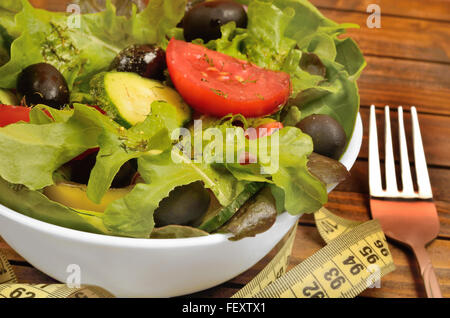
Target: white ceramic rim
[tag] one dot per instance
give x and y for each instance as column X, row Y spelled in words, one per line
column 348, row 159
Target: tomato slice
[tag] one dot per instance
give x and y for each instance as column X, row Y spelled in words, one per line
column 217, row 84
column 13, row 114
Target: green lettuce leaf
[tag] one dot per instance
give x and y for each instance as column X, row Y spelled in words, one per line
column 340, row 99
column 32, row 152
column 8, row 10
column 132, row 215
column 302, row 192
column 118, row 146
column 231, row 41
column 266, row 44
column 351, row 57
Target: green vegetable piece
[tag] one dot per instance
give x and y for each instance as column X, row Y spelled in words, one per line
column 351, row 57
column 341, row 102
column 256, row 216
column 312, row 64
column 224, row 214
column 291, row 116
column 176, row 231
column 127, row 97
column 8, row 98
column 327, row 170
column 303, row 193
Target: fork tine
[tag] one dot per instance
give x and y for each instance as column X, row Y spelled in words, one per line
column 375, row 186
column 408, row 188
column 389, row 163
column 423, row 179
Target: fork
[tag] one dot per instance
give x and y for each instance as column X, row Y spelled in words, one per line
column 406, row 216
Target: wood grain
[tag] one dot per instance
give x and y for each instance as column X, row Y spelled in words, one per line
column 401, row 38
column 429, row 9
column 394, row 82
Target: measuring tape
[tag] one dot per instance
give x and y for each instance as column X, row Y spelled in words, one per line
column 356, row 257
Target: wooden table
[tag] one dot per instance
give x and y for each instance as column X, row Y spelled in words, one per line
column 408, row 64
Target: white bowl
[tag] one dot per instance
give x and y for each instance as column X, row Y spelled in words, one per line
column 130, row 267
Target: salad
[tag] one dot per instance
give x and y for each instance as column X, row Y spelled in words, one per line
column 176, row 119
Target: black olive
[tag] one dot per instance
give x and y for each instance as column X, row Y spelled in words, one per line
column 189, row 5
column 204, row 20
column 328, row 136
column 81, row 171
column 146, row 60
column 184, row 205
column 43, row 84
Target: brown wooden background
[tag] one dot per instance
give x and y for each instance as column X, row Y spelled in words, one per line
column 408, row 64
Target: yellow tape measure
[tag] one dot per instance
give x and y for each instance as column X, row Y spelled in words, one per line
column 355, row 258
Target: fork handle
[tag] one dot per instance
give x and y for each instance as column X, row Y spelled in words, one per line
column 432, row 287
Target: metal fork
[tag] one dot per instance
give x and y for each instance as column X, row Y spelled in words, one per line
column 406, row 216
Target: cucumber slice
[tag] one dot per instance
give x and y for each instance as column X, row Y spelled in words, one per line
column 8, row 98
column 212, row 223
column 127, row 97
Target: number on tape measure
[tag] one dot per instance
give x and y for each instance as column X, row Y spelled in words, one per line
column 370, row 256
column 21, row 292
column 355, row 268
column 328, row 226
column 313, row 291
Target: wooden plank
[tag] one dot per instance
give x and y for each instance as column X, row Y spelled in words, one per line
column 434, row 129
column 387, row 81
column 430, row 9
column 405, row 281
column 30, row 275
column 357, row 182
column 398, row 37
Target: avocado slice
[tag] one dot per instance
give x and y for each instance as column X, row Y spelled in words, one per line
column 8, row 98
column 127, row 97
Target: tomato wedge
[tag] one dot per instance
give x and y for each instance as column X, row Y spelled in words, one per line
column 217, row 84
column 13, row 114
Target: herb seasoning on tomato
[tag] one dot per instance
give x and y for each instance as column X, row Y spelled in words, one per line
column 217, row 84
